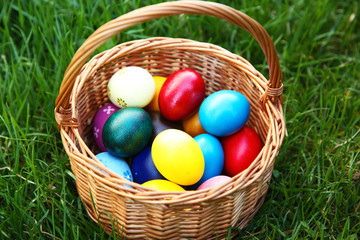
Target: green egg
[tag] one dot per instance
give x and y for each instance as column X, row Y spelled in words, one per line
column 127, row 132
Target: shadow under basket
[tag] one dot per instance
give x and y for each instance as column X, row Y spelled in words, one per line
column 136, row 212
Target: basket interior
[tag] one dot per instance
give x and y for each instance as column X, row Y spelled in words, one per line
column 219, row 68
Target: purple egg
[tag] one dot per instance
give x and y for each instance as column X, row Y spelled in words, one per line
column 100, row 118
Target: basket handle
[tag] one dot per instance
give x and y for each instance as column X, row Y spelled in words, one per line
column 108, row 30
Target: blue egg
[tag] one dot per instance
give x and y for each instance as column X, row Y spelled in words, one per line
column 213, row 153
column 224, row 112
column 143, row 167
column 116, row 164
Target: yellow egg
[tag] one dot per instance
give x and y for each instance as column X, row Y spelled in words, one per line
column 154, row 104
column 162, row 185
column 178, row 157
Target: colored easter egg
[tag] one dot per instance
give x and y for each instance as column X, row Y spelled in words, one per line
column 240, row 150
column 154, row 104
column 115, row 164
column 224, row 112
column 178, row 157
column 99, row 120
column 192, row 125
column 181, row 94
column 214, row 181
column 163, row 185
column 160, row 123
column 131, row 87
column 127, row 131
column 213, row 155
column 143, row 167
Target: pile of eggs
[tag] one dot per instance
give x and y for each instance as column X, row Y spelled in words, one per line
column 167, row 135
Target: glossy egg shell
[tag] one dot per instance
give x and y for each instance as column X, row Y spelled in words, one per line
column 240, row 150
column 224, row 112
column 160, row 123
column 214, row 181
column 213, row 155
column 131, row 87
column 115, row 164
column 192, row 125
column 163, row 185
column 181, row 94
column 154, row 104
column 127, row 132
column 143, row 167
column 99, row 120
column 178, row 157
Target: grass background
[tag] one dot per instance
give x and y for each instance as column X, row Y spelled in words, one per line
column 314, row 192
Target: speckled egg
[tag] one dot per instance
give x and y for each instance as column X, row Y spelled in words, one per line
column 127, row 131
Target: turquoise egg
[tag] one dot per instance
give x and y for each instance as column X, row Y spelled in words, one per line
column 127, row 132
column 224, row 112
column 213, row 155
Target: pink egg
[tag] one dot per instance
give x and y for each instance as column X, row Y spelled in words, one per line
column 100, row 118
column 214, row 181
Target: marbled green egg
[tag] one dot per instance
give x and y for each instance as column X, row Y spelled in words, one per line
column 127, row 131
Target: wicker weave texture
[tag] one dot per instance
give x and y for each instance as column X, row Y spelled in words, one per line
column 138, row 212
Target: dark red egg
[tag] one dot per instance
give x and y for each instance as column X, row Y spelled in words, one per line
column 181, row 94
column 240, row 150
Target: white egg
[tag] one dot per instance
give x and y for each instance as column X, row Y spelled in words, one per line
column 131, row 87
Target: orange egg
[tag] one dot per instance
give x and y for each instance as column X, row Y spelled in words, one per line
column 192, row 125
column 154, row 104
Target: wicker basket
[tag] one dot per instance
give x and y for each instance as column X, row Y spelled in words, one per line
column 141, row 213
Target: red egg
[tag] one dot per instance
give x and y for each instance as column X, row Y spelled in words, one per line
column 181, row 94
column 240, row 150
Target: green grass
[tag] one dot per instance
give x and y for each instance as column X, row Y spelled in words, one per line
column 315, row 189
